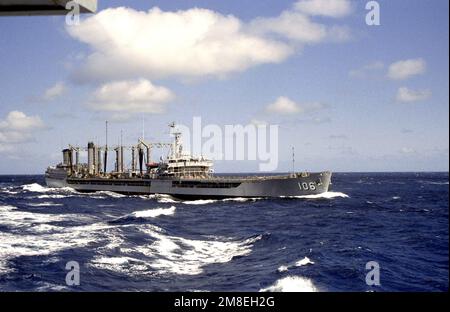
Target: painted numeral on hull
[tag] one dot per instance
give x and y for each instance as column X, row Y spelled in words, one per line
column 304, row 186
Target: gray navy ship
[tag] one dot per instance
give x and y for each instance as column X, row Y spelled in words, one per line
column 179, row 175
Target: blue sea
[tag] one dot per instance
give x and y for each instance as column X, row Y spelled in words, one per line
column 157, row 243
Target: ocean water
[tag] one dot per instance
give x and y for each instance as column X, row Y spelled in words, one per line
column 157, row 243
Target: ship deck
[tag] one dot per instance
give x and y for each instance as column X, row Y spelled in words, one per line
column 212, row 178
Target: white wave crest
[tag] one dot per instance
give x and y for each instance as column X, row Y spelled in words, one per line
column 165, row 199
column 177, row 255
column 299, row 263
column 200, row 202
column 23, row 241
column 327, row 195
column 111, row 194
column 153, row 213
column 53, row 196
column 291, row 284
column 37, row 188
column 44, row 204
column 124, row 265
column 304, row 261
column 242, row 199
column 8, row 191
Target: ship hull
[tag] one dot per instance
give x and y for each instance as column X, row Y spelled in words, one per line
column 210, row 188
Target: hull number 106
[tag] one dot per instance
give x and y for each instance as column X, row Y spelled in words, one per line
column 305, row 186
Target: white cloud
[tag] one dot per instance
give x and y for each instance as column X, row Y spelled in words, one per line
column 337, row 33
column 285, row 106
column 18, row 128
column 197, row 42
column 292, row 25
column 406, row 95
column 54, row 92
column 407, row 150
column 367, row 71
column 134, row 96
column 329, row 8
column 18, row 121
column 405, row 69
column 155, row 44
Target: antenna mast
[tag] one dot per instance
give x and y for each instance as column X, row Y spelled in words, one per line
column 293, row 159
column 105, row 162
column 143, row 128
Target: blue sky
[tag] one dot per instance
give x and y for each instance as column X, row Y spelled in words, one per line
column 365, row 98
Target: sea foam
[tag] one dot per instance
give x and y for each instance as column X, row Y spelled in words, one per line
column 291, row 284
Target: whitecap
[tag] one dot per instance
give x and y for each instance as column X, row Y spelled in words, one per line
column 111, row 194
column 304, row 261
column 153, row 213
column 7, row 191
column 51, row 238
column 36, row 188
column 53, row 196
column 327, row 195
column 299, row 263
column 200, row 202
column 291, row 284
column 162, row 198
column 45, row 287
column 44, row 204
column 177, row 255
column 242, row 199
column 125, row 265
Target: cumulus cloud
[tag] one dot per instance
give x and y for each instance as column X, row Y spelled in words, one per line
column 285, row 106
column 406, row 95
column 54, row 91
column 17, row 128
column 329, row 8
column 18, row 121
column 133, row 96
column 405, row 69
column 155, row 44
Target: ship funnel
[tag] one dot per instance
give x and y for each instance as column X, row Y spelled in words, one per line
column 66, row 157
column 91, row 158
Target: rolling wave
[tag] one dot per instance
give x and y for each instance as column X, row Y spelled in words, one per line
column 37, row 188
column 34, row 235
column 174, row 255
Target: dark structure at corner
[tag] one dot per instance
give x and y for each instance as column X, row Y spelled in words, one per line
column 43, row 7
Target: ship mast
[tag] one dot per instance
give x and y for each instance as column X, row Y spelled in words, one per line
column 293, row 160
column 106, row 149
